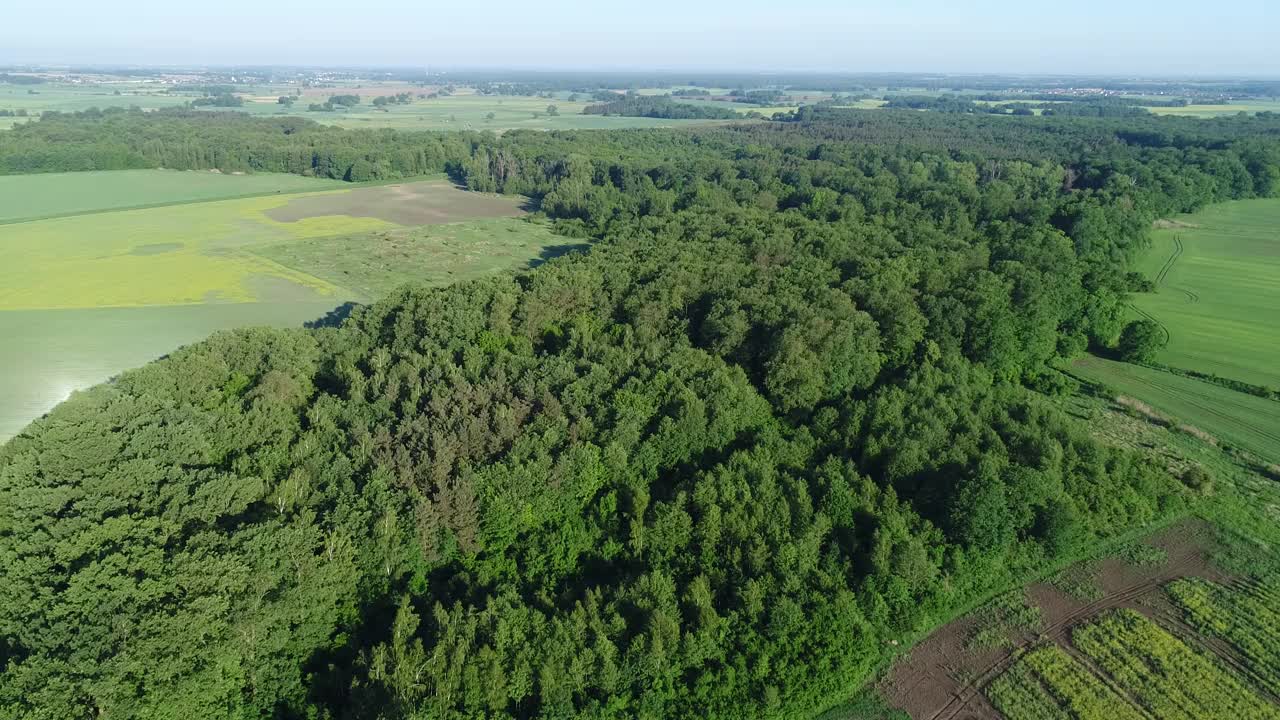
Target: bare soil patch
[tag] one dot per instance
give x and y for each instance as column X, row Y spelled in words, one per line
column 430, row 202
column 942, row 678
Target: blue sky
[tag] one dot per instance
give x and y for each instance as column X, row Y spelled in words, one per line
column 1149, row 37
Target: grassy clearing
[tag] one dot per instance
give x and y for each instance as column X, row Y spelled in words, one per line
column 1048, row 683
column 372, row 264
column 24, row 197
column 1218, row 276
column 1166, row 676
column 1250, row 422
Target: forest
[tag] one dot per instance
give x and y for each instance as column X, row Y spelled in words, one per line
column 794, row 406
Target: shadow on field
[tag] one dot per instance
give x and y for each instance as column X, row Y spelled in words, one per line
column 552, row 252
column 334, row 317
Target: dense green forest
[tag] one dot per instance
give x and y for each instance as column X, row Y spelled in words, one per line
column 794, row 406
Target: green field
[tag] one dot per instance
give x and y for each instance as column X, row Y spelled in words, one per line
column 25, row 197
column 1247, row 421
column 90, row 293
column 1218, row 277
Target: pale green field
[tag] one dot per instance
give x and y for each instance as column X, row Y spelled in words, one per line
column 1218, row 292
column 24, row 197
column 47, row 354
column 1206, row 111
column 66, row 97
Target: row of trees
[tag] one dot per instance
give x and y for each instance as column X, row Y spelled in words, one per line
column 776, row 421
column 657, row 106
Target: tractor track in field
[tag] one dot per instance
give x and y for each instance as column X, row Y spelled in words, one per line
column 1146, row 315
column 1173, row 260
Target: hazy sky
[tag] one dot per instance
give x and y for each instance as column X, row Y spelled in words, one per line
column 1033, row 36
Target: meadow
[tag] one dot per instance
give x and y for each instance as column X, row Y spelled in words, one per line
column 374, row 263
column 1218, row 290
column 30, row 197
column 1229, row 416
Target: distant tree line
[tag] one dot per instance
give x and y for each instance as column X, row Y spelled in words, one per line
column 658, row 106
column 225, row 100
column 335, row 102
column 21, row 79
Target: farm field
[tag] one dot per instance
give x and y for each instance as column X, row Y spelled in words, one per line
column 27, row 197
column 1218, row 295
column 1240, row 419
column 85, row 296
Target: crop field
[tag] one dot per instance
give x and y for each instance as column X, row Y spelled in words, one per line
column 29, row 197
column 1165, row 675
column 1218, row 295
column 1048, row 683
column 1247, row 617
column 96, row 290
column 371, row 264
column 1247, row 421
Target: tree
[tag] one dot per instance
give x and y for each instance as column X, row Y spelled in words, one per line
column 1140, row 341
column 490, row 116
column 286, row 100
column 552, row 111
